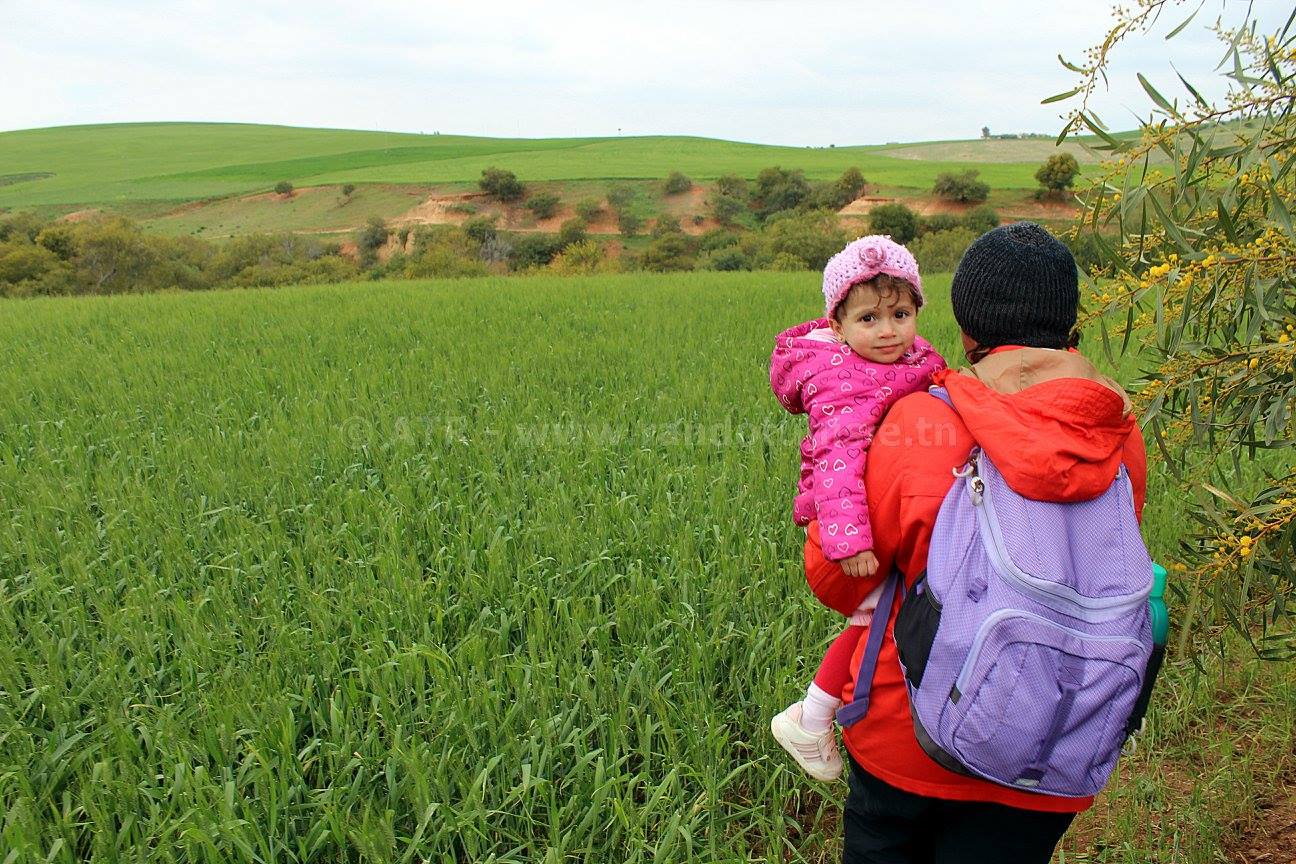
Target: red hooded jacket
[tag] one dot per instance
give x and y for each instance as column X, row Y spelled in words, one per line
column 1057, row 430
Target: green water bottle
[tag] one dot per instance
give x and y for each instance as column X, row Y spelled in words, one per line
column 1160, row 632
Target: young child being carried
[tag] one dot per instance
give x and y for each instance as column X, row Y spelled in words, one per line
column 843, row 372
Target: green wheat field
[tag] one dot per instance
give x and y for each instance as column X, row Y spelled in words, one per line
column 493, row 570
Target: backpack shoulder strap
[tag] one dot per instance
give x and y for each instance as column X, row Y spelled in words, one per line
column 854, row 711
column 942, row 394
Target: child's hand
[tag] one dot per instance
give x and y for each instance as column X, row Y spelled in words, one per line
column 862, row 564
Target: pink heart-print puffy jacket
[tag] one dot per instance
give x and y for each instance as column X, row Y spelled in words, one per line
column 844, row 397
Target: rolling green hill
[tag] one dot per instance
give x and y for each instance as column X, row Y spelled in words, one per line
column 123, row 164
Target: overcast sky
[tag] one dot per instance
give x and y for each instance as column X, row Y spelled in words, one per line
column 805, row 72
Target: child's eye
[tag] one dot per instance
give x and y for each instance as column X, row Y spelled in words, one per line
column 903, row 313
column 867, row 319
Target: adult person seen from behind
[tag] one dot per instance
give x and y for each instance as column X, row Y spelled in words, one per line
column 1058, row 430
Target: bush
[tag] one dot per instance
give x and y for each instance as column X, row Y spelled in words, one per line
column 963, row 187
column 729, row 260
column 666, row 224
column 811, row 237
column 1057, row 173
column 896, row 220
column 579, row 259
column 589, row 209
column 370, row 239
column 283, row 187
column 733, row 186
column 480, row 229
column 938, row 222
column 717, row 238
column 543, row 204
column 677, row 183
column 725, row 208
column 533, row 250
column 777, row 190
column 572, row 231
column 671, row 252
column 620, row 196
column 496, row 250
column 501, row 184
column 628, row 223
column 348, row 189
column 940, row 251
column 786, row 262
column 981, row 219
column 851, row 184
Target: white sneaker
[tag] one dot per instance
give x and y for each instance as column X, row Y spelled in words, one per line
column 816, row 754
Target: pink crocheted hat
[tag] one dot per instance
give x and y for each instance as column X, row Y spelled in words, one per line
column 863, row 259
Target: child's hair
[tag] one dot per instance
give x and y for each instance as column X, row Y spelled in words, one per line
column 886, row 286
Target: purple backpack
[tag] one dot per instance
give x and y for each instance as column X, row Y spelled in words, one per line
column 1025, row 644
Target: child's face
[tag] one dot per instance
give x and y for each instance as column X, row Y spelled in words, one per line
column 879, row 328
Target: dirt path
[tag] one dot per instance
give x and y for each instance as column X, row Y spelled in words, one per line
column 1273, row 840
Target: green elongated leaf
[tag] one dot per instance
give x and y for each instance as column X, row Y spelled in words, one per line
column 1278, row 210
column 1273, row 66
column 1176, row 31
column 1095, row 127
column 1224, row 220
column 1171, row 228
column 1197, row 97
column 1071, row 66
column 1160, row 100
column 1058, row 97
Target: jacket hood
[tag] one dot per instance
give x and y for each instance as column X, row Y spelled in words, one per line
column 1053, row 425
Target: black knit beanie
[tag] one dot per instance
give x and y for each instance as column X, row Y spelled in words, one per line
column 1016, row 285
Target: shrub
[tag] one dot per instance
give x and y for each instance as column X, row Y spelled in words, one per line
column 786, row 262
column 717, row 238
column 348, row 189
column 777, row 190
column 851, row 184
column 732, row 185
column 666, row 223
column 533, row 250
column 283, row 187
column 981, row 219
column 496, row 250
column 963, row 187
column 480, row 229
column 894, row 219
column 464, row 208
column 671, row 252
column 1057, row 173
column 543, row 204
column 940, row 251
column 620, row 195
column 677, row 183
column 572, row 231
column 580, row 258
column 729, row 259
column 811, row 237
column 589, row 209
column 501, row 184
column 628, row 223
column 725, row 208
column 370, row 239
column 938, row 222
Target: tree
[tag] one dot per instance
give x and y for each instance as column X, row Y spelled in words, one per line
column 571, row 232
column 677, row 183
column 725, row 209
column 1199, row 259
column 1058, row 172
column 963, row 187
column 666, row 223
column 348, row 189
column 543, row 204
column 981, row 219
column 851, row 185
column 589, row 209
column 811, row 237
column 732, row 185
column 284, row 188
column 628, row 223
column 778, row 189
column 620, row 196
column 501, row 184
column 481, row 229
column 668, row 253
column 371, row 238
column 894, row 219
column 985, row 131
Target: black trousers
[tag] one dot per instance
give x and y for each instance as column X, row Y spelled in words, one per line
column 885, row 825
